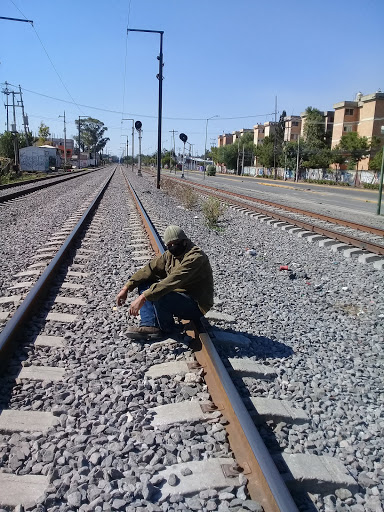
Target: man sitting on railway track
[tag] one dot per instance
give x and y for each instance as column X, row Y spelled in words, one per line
column 178, row 283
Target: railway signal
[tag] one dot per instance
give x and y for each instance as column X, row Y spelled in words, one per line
column 184, row 139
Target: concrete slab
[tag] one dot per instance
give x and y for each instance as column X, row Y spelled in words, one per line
column 279, row 224
column 22, row 284
column 50, row 341
column 216, row 315
column 327, row 242
column 45, row 373
column 141, row 258
column 167, row 369
column 55, row 243
column 78, row 266
column 378, row 265
column 180, row 412
column 229, row 338
column 34, row 272
column 81, row 257
column 26, row 421
column 77, row 274
column 4, row 315
column 287, row 227
column 23, row 490
column 139, row 246
column 61, row 317
column 206, row 474
column 10, row 299
column 316, row 238
column 272, row 221
column 245, row 367
column 305, row 234
column 48, row 249
column 339, row 247
column 43, row 256
column 369, row 258
column 72, row 286
column 86, row 251
column 315, row 474
column 264, row 219
column 353, row 252
column 60, row 299
column 143, row 252
column 277, row 410
column 40, row 264
column 295, row 230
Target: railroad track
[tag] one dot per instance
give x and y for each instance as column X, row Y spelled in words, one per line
column 368, row 241
column 31, row 186
column 87, row 447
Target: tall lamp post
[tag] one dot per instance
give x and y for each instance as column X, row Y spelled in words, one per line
column 65, row 143
column 381, row 178
column 160, row 78
column 133, row 138
column 79, row 140
column 206, row 134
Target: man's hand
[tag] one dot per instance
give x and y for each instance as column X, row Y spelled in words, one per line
column 122, row 296
column 136, row 305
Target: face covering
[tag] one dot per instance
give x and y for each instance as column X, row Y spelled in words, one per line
column 177, row 249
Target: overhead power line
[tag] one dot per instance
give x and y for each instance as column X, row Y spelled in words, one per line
column 140, row 115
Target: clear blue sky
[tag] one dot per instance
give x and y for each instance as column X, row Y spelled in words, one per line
column 221, row 58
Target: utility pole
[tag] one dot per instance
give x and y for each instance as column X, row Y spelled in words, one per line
column 79, row 140
column 173, row 135
column 6, row 91
column 25, row 118
column 14, row 131
column 238, row 156
column 298, row 158
column 127, row 151
column 65, row 143
column 381, row 178
column 274, row 142
column 133, row 138
column 242, row 163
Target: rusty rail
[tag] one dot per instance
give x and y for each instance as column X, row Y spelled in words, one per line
column 265, row 483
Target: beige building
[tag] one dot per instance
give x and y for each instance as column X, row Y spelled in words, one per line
column 365, row 116
column 239, row 133
column 292, row 128
column 269, row 128
column 224, row 140
column 258, row 134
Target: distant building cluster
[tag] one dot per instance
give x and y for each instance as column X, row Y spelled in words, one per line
column 365, row 116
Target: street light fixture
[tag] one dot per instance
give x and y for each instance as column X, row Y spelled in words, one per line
column 160, row 78
column 381, row 177
column 133, row 138
column 206, row 135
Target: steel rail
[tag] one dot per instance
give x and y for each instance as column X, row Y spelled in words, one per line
column 19, row 193
column 265, row 483
column 347, row 239
column 45, row 178
column 333, row 220
column 16, row 324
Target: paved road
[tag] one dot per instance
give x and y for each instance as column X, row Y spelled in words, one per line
column 358, row 205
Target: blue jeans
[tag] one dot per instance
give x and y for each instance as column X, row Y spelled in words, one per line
column 160, row 313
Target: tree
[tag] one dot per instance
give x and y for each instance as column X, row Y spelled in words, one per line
column 7, row 143
column 314, row 128
column 43, row 134
column 375, row 162
column 91, row 134
column 265, row 152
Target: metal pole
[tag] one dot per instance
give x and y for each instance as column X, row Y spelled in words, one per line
column 380, row 184
column 65, row 144
column 127, row 151
column 242, row 163
column 205, row 145
column 297, row 160
column 24, row 118
column 160, row 77
column 139, row 170
column 79, row 146
column 133, row 144
column 182, row 165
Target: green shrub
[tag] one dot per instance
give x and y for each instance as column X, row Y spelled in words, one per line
column 374, row 186
column 211, row 170
column 212, row 210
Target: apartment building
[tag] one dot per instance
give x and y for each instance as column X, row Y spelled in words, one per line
column 239, row 133
column 224, row 140
column 258, row 134
column 292, row 128
column 365, row 116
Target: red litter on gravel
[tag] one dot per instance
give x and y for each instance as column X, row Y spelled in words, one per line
column 284, row 267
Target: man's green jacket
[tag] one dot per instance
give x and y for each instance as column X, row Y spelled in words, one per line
column 190, row 273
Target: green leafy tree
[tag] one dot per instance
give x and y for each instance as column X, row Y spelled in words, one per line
column 265, row 152
column 43, row 134
column 355, row 146
column 375, row 162
column 7, row 143
column 91, row 134
column 314, row 128
column 317, row 158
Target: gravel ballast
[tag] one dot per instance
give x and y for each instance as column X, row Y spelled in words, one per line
column 321, row 331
